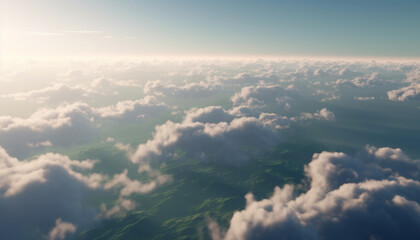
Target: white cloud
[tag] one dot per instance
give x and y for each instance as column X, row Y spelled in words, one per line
column 371, row 196
column 62, row 126
column 194, row 89
column 133, row 110
column 411, row 92
column 231, row 136
column 61, row 229
column 133, row 186
column 37, row 192
column 413, row 76
column 81, row 31
column 323, row 114
column 33, row 194
column 68, row 124
column 74, row 89
column 57, row 93
column 118, row 210
column 210, row 114
column 260, row 95
column 364, row 98
column 366, row 80
column 16, row 175
column 211, row 133
column 106, row 85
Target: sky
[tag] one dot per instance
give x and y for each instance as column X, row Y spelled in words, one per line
column 235, row 141
column 187, row 27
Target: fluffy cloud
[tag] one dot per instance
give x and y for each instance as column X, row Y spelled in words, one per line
column 260, row 95
column 107, row 83
column 68, row 124
column 129, row 186
column 34, row 194
column 64, row 125
column 366, row 80
column 211, row 114
column 413, row 75
column 194, row 89
column 410, row 92
column 132, row 110
column 211, row 133
column 371, row 196
column 61, row 229
column 52, row 189
column 55, row 94
column 66, row 92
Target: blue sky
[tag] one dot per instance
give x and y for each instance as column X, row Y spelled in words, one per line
column 186, row 27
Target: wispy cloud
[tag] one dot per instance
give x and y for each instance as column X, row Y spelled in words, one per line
column 64, row 32
column 81, row 31
column 47, row 33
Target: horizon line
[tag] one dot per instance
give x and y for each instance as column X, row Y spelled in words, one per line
column 82, row 57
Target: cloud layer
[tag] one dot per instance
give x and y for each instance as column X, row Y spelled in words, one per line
column 47, row 195
column 260, row 95
column 34, row 194
column 411, row 92
column 194, row 89
column 69, row 124
column 371, row 196
column 211, row 133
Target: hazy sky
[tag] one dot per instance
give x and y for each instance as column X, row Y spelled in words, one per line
column 193, row 27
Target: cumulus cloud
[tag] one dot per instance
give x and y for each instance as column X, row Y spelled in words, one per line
column 211, row 133
column 251, row 76
column 211, row 114
column 65, row 125
column 57, row 93
column 65, row 92
column 61, row 229
column 366, row 80
column 260, row 95
column 194, row 89
column 16, row 175
column 68, row 124
column 34, row 194
column 231, row 136
column 107, row 85
column 371, row 196
column 411, row 92
column 129, row 186
column 133, row 110
column 51, row 187
column 413, row 75
column 117, row 210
